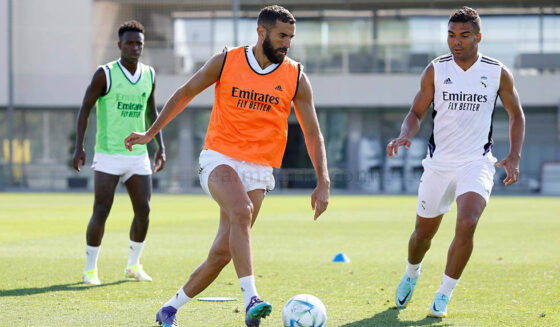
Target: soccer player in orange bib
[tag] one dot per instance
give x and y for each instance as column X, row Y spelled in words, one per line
column 246, row 138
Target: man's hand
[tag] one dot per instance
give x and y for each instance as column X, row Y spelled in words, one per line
column 159, row 160
column 320, row 199
column 136, row 138
column 79, row 158
column 511, row 165
column 393, row 146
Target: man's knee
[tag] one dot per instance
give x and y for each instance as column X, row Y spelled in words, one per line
column 241, row 214
column 142, row 211
column 101, row 210
column 219, row 257
column 466, row 225
column 422, row 235
column 426, row 228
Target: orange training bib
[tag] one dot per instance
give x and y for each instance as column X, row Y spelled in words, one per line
column 249, row 120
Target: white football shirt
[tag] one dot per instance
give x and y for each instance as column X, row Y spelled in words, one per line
column 464, row 104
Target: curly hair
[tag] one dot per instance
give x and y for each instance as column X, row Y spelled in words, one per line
column 466, row 14
column 270, row 14
column 130, row 26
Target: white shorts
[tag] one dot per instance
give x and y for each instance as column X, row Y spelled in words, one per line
column 440, row 186
column 122, row 165
column 253, row 176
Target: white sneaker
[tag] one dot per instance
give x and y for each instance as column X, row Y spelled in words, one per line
column 90, row 277
column 405, row 290
column 439, row 306
column 137, row 272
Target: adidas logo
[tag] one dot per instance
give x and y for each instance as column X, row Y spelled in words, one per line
column 448, row 81
column 279, row 88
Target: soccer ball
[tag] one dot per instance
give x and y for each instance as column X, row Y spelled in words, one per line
column 304, row 310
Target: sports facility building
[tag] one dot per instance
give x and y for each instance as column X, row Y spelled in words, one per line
column 363, row 57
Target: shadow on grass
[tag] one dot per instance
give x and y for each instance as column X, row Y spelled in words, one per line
column 390, row 317
column 79, row 286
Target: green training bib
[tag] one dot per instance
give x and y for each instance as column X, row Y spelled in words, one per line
column 123, row 110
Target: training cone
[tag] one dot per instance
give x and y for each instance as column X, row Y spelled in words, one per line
column 341, row 257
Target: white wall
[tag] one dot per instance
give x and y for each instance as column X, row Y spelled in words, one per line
column 107, row 16
column 539, row 90
column 52, row 51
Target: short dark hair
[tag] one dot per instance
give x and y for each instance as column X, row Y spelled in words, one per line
column 466, row 14
column 270, row 14
column 130, row 26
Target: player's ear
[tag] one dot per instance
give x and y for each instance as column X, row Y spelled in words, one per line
column 261, row 32
column 479, row 37
column 119, row 45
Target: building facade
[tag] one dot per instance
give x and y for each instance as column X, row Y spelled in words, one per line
column 364, row 61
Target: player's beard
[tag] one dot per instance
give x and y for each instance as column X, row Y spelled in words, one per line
column 272, row 53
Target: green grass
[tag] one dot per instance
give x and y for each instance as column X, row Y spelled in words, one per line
column 513, row 278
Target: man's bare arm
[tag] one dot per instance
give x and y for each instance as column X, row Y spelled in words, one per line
column 510, row 100
column 412, row 121
column 151, row 115
column 95, row 89
column 307, row 117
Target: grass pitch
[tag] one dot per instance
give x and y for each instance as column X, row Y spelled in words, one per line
column 513, row 277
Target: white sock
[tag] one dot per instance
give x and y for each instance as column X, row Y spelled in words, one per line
column 92, row 253
column 447, row 285
column 413, row 271
column 178, row 300
column 248, row 288
column 135, row 250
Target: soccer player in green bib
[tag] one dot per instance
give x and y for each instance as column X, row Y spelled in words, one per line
column 124, row 92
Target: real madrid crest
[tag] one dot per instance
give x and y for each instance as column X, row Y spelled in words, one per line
column 484, row 81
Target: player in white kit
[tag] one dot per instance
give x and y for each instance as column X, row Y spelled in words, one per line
column 463, row 87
